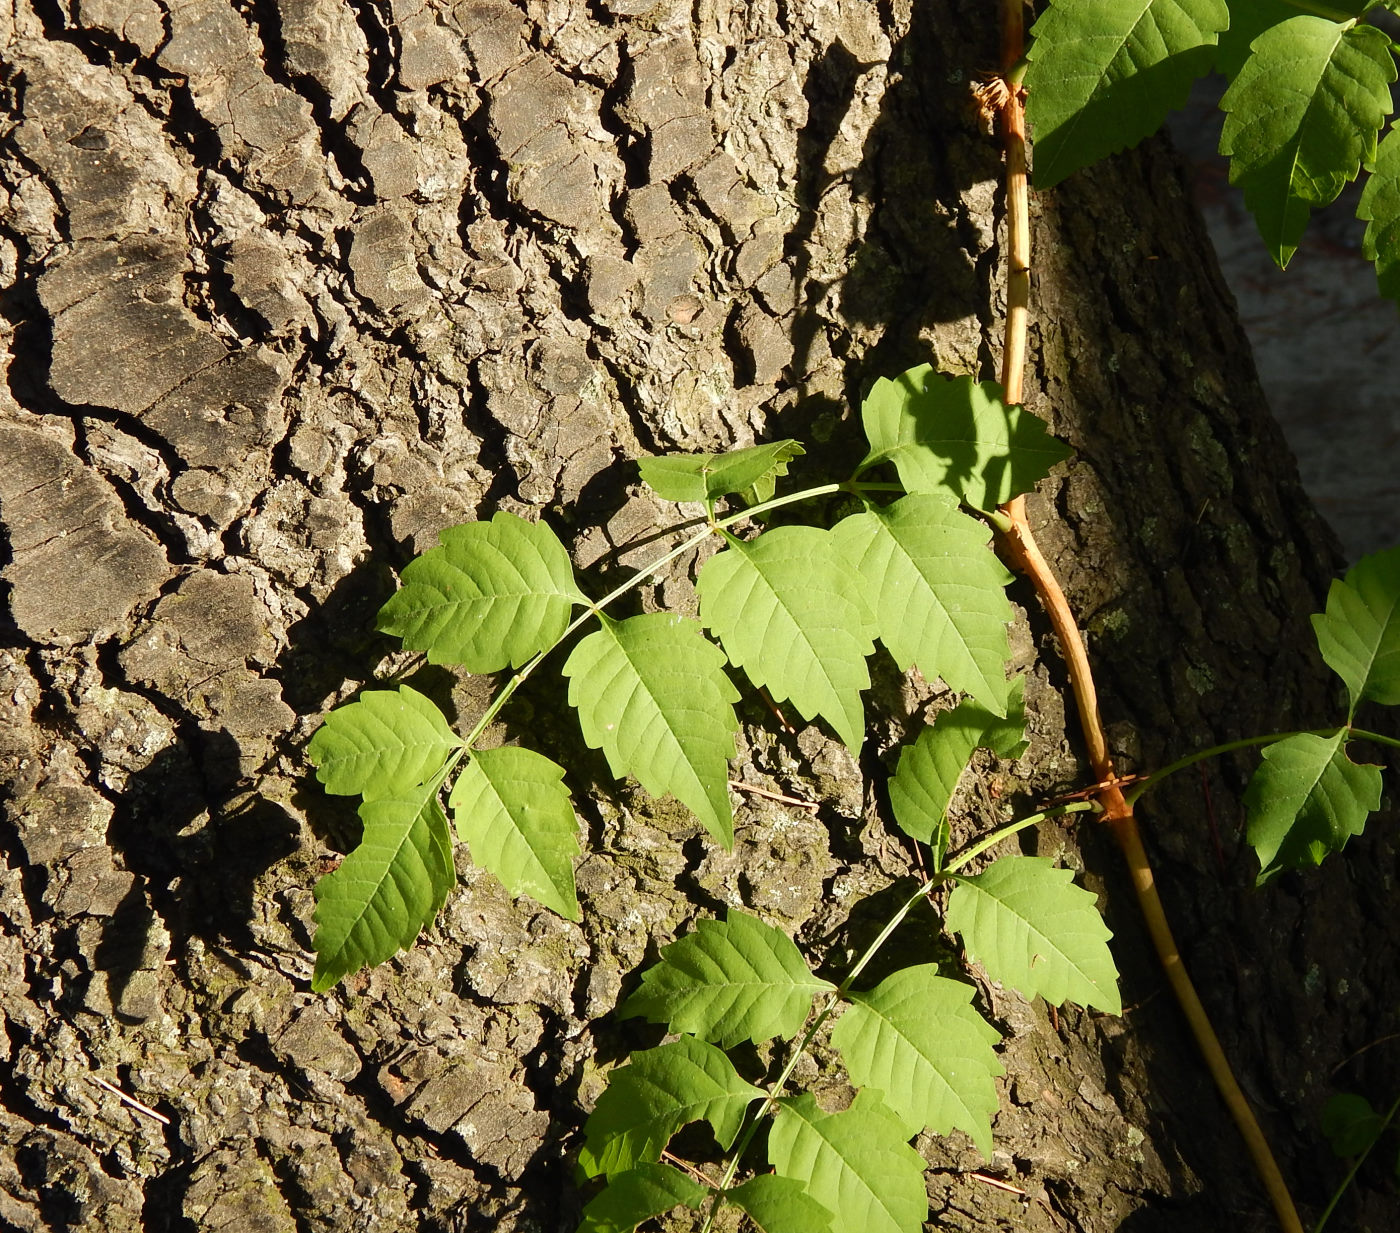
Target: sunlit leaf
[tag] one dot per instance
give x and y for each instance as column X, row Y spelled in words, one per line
column 740, row 980
column 1359, row 633
column 512, row 809
column 916, row 1038
column 780, row 1205
column 493, row 595
column 640, row 1193
column 652, row 695
column 704, row 477
column 654, row 1095
column 1380, row 208
column 382, row 744
column 1031, row 928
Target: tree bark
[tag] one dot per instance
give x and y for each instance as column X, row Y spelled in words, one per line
column 290, row 286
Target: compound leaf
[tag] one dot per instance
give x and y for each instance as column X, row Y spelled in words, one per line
column 780, row 1205
column 791, row 611
column 953, row 435
column 1301, row 118
column 1104, row 73
column 382, row 744
column 1380, row 208
column 937, row 591
column 1030, row 927
column 704, row 477
column 654, row 1095
column 916, row 1037
column 492, row 595
column 512, row 809
column 929, row 769
column 1359, row 633
column 387, row 889
column 1307, row 799
column 652, row 695
column 856, row 1163
column 740, row 980
column 639, row 1194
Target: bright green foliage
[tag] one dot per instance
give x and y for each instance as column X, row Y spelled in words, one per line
column 1380, row 208
column 1031, row 928
column 780, row 1205
column 640, row 1193
column 654, row 1095
column 491, row 596
column 740, row 980
column 512, row 808
column 930, row 768
column 1359, row 634
column 952, row 434
column 705, row 477
column 791, row 611
column 937, row 592
column 387, row 889
column 1302, row 118
column 916, row 1037
column 1307, row 799
column 1351, row 1124
column 1104, row 74
column 856, row 1163
column 652, row 695
column 381, row 745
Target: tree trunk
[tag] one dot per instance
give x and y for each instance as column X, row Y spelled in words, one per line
column 290, row 286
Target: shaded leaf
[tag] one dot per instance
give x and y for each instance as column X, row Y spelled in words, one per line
column 1031, row 928
column 1104, row 74
column 491, row 596
column 1307, row 799
column 382, row 744
column 951, row 435
column 1351, row 1124
column 790, row 610
column 1359, row 633
column 652, row 695
column 740, row 980
column 639, row 1194
column 916, row 1038
column 510, row 805
column 856, row 1163
column 937, row 590
column 654, row 1095
column 780, row 1205
column 705, row 477
column 1301, row 118
column 1380, row 208
column 387, row 889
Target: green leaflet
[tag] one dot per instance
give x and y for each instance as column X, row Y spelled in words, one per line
column 1380, row 208
column 512, row 809
column 652, row 695
column 492, row 595
column 937, row 591
column 1307, row 799
column 1104, row 73
column 856, row 1163
column 1351, row 1124
column 916, row 1037
column 387, row 889
column 654, row 1095
column 640, row 1193
column 740, row 980
column 1031, row 928
column 705, row 477
column 382, row 744
column 780, row 1205
column 1302, row 117
column 1359, row 633
column 953, row 435
column 791, row 611
column 929, row 769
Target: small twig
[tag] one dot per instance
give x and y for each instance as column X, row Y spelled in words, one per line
column 1351, row 1057
column 699, row 1175
column 130, row 1100
column 1000, row 1185
column 755, row 790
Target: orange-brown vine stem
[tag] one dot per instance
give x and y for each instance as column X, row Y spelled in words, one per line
column 1025, row 555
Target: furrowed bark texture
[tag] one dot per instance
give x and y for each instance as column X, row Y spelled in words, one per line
column 287, row 287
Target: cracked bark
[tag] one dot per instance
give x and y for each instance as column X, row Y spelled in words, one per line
column 285, row 289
